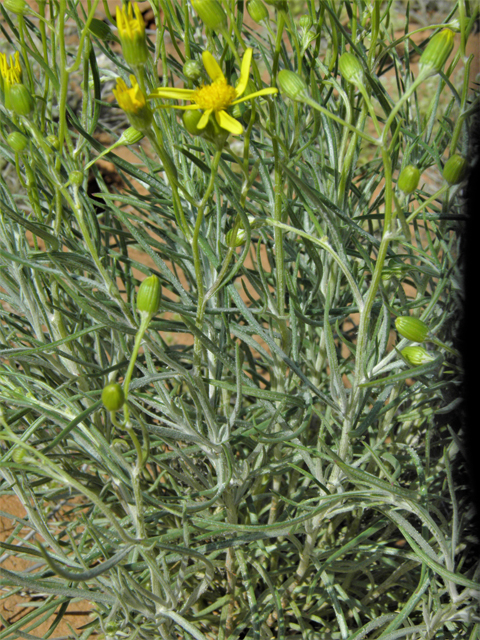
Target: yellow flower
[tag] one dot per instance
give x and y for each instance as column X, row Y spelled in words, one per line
column 132, row 34
column 12, row 74
column 218, row 96
column 133, row 102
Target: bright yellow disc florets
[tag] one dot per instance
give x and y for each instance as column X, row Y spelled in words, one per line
column 216, row 96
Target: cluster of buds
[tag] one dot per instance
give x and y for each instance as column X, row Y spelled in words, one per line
column 17, row 97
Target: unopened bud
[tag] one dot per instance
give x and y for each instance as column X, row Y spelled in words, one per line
column 239, row 238
column 113, row 397
column 436, row 53
column 19, row 7
column 210, row 13
column 455, row 169
column 129, row 136
column 292, row 85
column 76, row 178
column 417, row 356
column 408, row 179
column 411, row 328
column 305, row 22
column 17, row 141
column 191, row 118
column 351, row 68
column 192, row 69
column 53, row 141
column 149, row 295
column 257, row 10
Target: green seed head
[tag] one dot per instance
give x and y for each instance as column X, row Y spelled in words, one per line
column 292, row 85
column 19, row 7
column 19, row 100
column 436, row 53
column 17, row 141
column 455, row 169
column 408, row 179
column 113, row 397
column 411, row 328
column 417, row 356
column 257, row 10
column 149, row 295
column 351, row 68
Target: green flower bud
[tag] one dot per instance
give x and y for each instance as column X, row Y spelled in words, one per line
column 192, row 69
column 131, row 30
column 17, row 141
column 417, row 356
column 53, row 141
column 305, row 22
column 408, row 179
column 210, row 13
column 19, row 100
column 292, row 85
column 76, row 178
column 19, row 7
column 257, row 10
column 149, row 295
column 436, row 53
column 19, row 454
column 351, row 68
column 239, row 238
column 113, row 397
column 411, row 328
column 455, row 169
column 112, row 627
column 102, row 30
column 129, row 136
column 191, row 118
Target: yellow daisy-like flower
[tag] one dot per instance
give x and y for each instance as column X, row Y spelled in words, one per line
column 134, row 103
column 11, row 73
column 218, row 96
column 132, row 34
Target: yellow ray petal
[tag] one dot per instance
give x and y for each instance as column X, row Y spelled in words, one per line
column 244, row 72
column 262, row 92
column 211, row 66
column 227, row 122
column 171, row 92
column 202, row 123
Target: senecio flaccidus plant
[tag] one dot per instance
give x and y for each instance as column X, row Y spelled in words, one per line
column 229, row 244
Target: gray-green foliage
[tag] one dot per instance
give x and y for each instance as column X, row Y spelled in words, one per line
column 280, row 471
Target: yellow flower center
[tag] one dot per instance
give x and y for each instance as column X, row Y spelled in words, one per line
column 216, row 96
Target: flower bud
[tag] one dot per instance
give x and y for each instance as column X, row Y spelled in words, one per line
column 292, row 85
column 19, row 454
column 408, row 179
column 191, row 118
column 76, row 178
column 17, row 141
column 192, row 69
column 210, row 13
column 134, row 103
column 305, row 22
column 436, row 53
column 101, row 30
column 149, row 295
column 19, row 7
column 129, row 136
column 257, row 10
column 417, row 356
column 53, row 141
column 113, row 397
column 455, row 169
column 351, row 68
column 239, row 238
column 411, row 328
